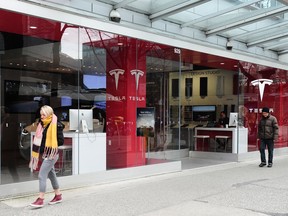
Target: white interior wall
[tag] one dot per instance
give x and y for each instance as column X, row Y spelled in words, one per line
column 211, row 99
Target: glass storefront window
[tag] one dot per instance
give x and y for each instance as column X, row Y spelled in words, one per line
column 263, row 87
column 147, row 100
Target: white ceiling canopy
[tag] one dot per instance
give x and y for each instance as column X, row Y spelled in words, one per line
column 233, row 19
column 252, row 23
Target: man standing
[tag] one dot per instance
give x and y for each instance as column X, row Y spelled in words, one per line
column 223, row 120
column 267, row 133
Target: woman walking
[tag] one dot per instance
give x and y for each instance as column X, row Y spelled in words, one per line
column 49, row 135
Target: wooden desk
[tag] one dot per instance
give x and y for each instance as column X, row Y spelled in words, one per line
column 238, row 135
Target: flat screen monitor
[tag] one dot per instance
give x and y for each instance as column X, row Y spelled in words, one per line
column 233, row 119
column 78, row 117
column 204, row 113
column 94, row 82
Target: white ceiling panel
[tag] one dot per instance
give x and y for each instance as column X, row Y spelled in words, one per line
column 260, row 23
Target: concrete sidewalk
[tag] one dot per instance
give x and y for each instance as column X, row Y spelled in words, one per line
column 224, row 189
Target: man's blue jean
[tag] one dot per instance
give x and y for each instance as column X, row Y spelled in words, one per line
column 270, row 145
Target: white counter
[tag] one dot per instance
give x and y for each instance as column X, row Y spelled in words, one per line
column 238, row 135
column 88, row 151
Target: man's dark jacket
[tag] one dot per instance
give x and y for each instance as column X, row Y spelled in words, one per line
column 268, row 128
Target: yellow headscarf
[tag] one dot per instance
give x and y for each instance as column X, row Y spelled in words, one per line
column 51, row 143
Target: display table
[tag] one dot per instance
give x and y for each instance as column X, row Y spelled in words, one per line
column 238, row 135
column 88, row 151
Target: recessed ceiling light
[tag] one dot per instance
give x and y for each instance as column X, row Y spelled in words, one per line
column 33, row 27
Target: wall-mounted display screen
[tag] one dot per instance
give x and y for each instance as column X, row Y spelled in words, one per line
column 188, row 87
column 24, row 96
column 25, row 88
column 204, row 113
column 94, row 82
column 175, row 87
column 203, row 86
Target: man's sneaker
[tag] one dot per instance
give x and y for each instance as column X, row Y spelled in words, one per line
column 56, row 199
column 262, row 164
column 38, row 203
column 269, row 165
